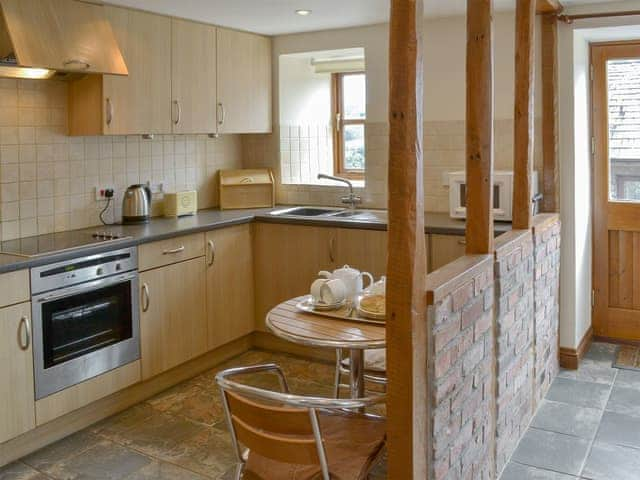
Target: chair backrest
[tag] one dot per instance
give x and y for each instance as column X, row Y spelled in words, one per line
column 284, row 434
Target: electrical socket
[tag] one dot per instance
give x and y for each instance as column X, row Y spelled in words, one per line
column 100, row 192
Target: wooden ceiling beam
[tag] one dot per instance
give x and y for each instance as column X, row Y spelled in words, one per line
column 548, row 6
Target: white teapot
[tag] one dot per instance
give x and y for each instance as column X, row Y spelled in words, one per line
column 352, row 279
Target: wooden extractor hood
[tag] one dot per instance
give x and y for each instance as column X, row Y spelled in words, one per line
column 41, row 37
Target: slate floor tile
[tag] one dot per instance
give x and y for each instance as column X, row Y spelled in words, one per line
column 625, row 401
column 609, row 462
column 164, row 471
column 619, row 429
column 591, row 371
column 20, row 471
column 568, row 419
column 575, row 392
column 105, row 461
column 62, row 450
column 602, row 352
column 628, row 379
column 517, row 471
column 552, row 451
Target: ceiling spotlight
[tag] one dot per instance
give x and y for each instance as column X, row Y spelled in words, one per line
column 303, row 12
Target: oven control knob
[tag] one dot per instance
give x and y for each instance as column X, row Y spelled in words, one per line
column 99, row 271
column 118, row 267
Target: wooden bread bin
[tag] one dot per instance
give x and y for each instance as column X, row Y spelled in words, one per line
column 248, row 188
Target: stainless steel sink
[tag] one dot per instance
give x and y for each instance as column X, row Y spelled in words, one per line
column 307, row 211
column 362, row 215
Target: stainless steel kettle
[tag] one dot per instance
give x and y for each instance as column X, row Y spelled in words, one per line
column 136, row 204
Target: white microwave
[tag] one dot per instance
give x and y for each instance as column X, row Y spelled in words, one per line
column 502, row 194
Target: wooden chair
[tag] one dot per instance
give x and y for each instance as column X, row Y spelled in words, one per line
column 294, row 437
column 375, row 369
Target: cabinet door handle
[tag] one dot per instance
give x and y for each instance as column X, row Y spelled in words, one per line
column 212, row 252
column 145, row 297
column 178, row 111
column 109, row 111
column 222, row 114
column 180, row 249
column 332, row 244
column 24, row 340
column 462, row 242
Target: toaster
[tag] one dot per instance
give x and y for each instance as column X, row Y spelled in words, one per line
column 180, row 204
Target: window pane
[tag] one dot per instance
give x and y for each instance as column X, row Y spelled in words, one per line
column 623, row 77
column 354, row 93
column 354, row 147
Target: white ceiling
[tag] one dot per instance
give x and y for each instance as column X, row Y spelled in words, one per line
column 275, row 17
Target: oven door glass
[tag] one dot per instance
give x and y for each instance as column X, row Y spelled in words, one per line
column 76, row 325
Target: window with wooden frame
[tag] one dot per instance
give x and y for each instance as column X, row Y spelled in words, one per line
column 349, row 117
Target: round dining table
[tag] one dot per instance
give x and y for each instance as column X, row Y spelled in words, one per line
column 286, row 321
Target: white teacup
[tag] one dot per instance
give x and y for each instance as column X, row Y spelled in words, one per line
column 329, row 292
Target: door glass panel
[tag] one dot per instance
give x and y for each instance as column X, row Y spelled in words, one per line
column 354, row 147
column 354, row 93
column 80, row 324
column 623, row 82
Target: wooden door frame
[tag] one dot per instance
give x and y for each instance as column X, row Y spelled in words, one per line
column 602, row 221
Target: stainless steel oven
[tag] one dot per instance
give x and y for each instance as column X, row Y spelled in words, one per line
column 85, row 318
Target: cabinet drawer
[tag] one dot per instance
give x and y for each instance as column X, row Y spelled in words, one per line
column 14, row 288
column 172, row 250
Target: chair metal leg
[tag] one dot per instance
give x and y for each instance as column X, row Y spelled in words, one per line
column 239, row 468
column 336, row 381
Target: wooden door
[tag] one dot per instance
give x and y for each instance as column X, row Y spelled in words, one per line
column 365, row 250
column 244, row 82
column 173, row 321
column 193, row 77
column 141, row 102
column 287, row 260
column 616, row 184
column 445, row 249
column 230, row 294
column 17, row 398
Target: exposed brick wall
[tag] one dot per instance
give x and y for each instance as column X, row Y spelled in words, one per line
column 546, row 240
column 461, row 368
column 514, row 320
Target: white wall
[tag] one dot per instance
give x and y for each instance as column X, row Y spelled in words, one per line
column 305, row 96
column 576, row 165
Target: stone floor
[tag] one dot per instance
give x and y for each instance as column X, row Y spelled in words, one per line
column 179, row 434
column 588, row 426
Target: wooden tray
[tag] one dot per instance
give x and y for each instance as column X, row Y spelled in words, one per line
column 345, row 312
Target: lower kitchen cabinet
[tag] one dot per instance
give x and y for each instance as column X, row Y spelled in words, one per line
column 17, row 401
column 445, row 249
column 230, row 292
column 173, row 319
column 365, row 250
column 287, row 259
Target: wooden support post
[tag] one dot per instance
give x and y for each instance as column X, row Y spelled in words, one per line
column 549, row 53
column 548, row 6
column 523, row 114
column 406, row 265
column 479, row 162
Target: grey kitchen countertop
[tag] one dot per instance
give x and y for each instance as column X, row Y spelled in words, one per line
column 161, row 228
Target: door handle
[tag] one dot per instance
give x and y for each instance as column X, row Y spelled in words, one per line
column 462, row 242
column 222, row 114
column 174, row 251
column 24, row 340
column 178, row 111
column 109, row 111
column 332, row 245
column 76, row 64
column 212, row 252
column 145, row 297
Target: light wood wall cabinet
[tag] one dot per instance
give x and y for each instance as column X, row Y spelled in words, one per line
column 230, row 293
column 139, row 103
column 445, row 249
column 193, row 77
column 244, row 82
column 17, row 400
column 62, row 35
column 173, row 320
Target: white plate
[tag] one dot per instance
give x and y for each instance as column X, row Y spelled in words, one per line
column 367, row 313
column 309, row 304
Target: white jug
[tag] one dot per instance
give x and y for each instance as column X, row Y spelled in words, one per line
column 352, row 279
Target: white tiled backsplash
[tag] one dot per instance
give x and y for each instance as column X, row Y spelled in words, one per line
column 48, row 180
column 444, row 151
